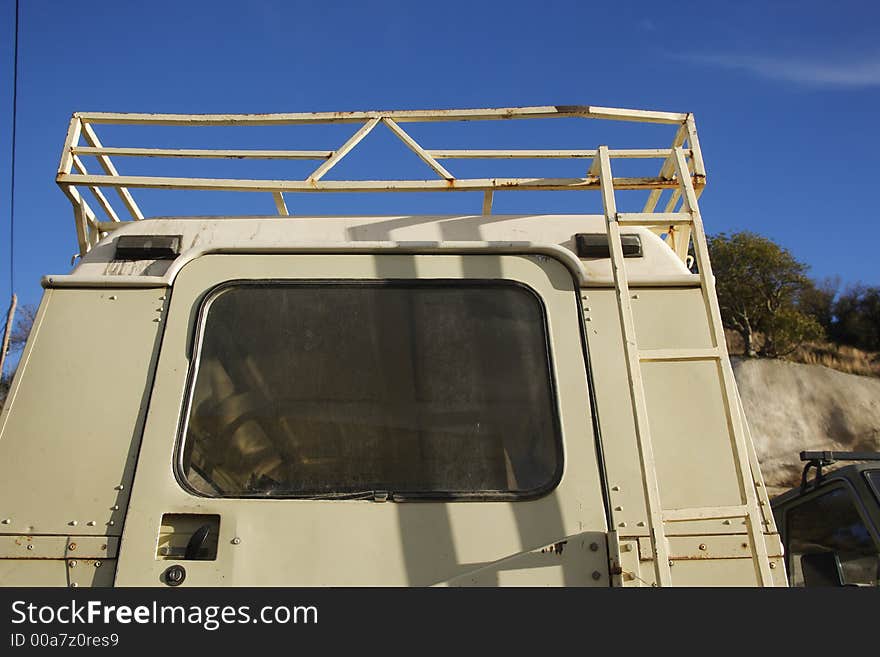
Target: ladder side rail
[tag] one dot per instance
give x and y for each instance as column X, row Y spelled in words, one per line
column 757, row 475
column 701, row 252
column 634, row 373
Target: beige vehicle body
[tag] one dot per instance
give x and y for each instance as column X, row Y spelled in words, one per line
column 557, row 415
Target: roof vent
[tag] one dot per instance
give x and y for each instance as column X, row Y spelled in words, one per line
column 595, row 245
column 148, row 247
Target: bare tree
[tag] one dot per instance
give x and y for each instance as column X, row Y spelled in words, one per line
column 24, row 321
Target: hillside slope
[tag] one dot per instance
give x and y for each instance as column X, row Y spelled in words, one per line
column 791, row 407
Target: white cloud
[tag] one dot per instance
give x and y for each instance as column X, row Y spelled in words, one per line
column 858, row 72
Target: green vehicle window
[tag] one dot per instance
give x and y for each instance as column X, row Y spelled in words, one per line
column 340, row 390
column 831, row 523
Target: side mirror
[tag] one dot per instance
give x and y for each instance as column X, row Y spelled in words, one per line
column 821, row 569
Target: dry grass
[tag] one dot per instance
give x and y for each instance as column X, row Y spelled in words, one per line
column 834, row 356
column 838, row 357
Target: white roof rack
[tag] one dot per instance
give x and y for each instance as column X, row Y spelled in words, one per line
column 74, row 178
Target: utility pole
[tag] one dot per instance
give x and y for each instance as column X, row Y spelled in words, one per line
column 9, row 317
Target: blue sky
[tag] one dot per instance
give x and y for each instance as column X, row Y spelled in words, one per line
column 785, row 96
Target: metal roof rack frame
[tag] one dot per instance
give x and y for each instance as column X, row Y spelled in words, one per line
column 74, row 178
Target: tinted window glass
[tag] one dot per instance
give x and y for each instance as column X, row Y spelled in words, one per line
column 344, row 389
column 831, row 523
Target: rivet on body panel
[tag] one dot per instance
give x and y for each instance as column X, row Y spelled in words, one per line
column 772, row 564
column 91, row 523
column 236, row 541
column 596, row 574
column 74, row 585
column 72, row 564
column 72, row 523
column 97, row 564
column 30, row 546
column 72, row 546
column 6, row 521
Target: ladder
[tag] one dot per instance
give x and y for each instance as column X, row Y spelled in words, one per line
column 689, row 218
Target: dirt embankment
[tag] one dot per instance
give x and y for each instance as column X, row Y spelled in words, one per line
column 791, row 407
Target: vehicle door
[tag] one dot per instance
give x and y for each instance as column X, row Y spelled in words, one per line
column 368, row 419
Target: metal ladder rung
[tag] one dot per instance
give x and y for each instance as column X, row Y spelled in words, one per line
column 653, row 218
column 711, row 353
column 706, row 513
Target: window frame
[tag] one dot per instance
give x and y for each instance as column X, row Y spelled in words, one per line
column 872, row 478
column 194, row 349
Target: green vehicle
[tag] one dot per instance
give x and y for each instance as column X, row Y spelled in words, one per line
column 830, row 524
